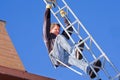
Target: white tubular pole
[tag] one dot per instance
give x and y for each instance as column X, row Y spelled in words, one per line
column 69, row 67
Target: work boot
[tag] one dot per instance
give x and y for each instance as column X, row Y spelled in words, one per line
column 77, row 53
column 97, row 67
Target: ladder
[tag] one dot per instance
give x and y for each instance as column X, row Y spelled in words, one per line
column 92, row 51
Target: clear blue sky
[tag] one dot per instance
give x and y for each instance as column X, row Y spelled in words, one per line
column 24, row 20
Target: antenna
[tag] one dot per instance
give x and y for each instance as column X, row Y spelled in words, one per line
column 92, row 51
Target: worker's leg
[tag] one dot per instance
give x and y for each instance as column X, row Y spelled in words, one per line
column 58, row 51
column 61, row 42
column 61, row 48
column 82, row 64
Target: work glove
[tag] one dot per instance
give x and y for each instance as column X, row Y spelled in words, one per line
column 49, row 6
column 62, row 13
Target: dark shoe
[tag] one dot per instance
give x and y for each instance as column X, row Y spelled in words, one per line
column 56, row 66
column 81, row 45
column 78, row 54
column 96, row 64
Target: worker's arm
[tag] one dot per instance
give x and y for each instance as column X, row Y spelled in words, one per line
column 67, row 23
column 46, row 25
column 70, row 29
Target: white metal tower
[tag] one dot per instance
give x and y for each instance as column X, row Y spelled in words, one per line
column 92, row 51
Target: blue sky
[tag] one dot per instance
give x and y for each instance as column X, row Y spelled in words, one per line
column 24, row 20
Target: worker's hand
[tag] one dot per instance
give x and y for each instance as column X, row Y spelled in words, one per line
column 49, row 6
column 62, row 13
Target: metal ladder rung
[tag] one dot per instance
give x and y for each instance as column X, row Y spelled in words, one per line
column 76, row 21
column 60, row 9
column 117, row 76
column 97, row 59
column 69, row 67
column 71, row 24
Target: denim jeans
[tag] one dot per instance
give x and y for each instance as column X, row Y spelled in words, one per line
column 63, row 51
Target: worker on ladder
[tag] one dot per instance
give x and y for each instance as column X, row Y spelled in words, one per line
column 59, row 48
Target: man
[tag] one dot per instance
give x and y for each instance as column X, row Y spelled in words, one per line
column 59, row 48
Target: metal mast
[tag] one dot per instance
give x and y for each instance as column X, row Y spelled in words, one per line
column 92, row 51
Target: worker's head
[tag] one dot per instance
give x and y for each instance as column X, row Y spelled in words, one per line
column 55, row 28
